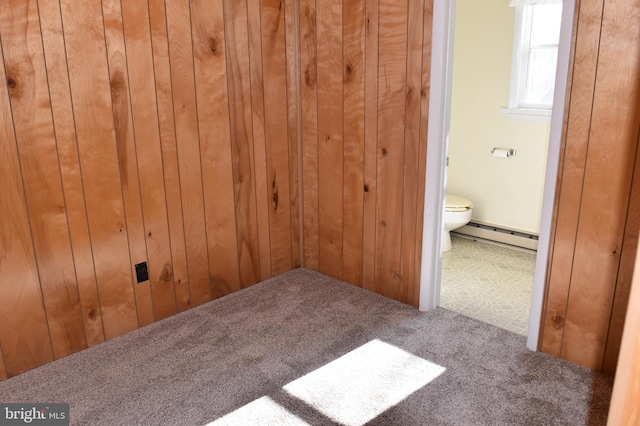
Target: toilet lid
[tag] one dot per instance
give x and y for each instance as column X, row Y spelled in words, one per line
column 453, row 203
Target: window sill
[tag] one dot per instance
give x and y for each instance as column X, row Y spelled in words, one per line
column 527, row 114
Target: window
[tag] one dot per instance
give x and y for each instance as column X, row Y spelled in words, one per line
column 535, row 55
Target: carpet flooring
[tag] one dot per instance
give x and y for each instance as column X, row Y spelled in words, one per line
column 303, row 348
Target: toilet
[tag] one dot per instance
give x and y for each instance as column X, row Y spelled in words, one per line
column 457, row 213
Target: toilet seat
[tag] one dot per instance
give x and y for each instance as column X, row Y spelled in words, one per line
column 454, row 203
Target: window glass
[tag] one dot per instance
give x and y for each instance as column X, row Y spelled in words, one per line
column 545, row 24
column 541, row 76
column 537, row 34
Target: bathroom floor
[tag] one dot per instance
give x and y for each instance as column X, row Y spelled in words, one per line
column 490, row 283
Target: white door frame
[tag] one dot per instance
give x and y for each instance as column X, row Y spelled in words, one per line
column 439, row 120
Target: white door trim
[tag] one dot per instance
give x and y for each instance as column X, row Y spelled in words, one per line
column 439, row 118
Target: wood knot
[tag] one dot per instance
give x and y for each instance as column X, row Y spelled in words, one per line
column 309, row 78
column 557, row 322
column 214, row 46
column 384, row 152
column 92, row 314
column 166, row 274
column 11, row 83
column 383, row 224
column 409, row 94
column 366, row 188
column 274, row 198
column 149, row 234
column 327, row 139
column 349, row 69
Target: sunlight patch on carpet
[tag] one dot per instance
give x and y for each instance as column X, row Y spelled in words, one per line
column 364, row 383
column 262, row 411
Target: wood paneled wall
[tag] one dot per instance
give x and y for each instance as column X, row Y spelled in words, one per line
column 624, row 409
column 596, row 226
column 133, row 131
column 364, row 71
column 182, row 132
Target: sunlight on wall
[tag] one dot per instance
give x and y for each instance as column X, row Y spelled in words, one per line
column 351, row 390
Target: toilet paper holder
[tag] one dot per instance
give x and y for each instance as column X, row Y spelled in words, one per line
column 503, row 152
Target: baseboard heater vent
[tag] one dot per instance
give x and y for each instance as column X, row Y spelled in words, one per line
column 499, row 235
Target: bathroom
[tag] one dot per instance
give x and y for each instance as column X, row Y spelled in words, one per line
column 505, row 187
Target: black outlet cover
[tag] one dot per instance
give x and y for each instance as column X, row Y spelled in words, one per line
column 142, row 273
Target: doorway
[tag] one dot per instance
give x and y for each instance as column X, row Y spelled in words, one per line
column 439, row 128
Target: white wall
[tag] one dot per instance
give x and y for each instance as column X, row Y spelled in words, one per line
column 505, row 192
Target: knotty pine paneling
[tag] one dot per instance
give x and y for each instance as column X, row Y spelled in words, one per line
column 24, row 334
column 309, row 137
column 143, row 131
column 361, row 140
column 591, row 261
column 254, row 27
column 3, row 370
column 170, row 168
column 61, row 107
column 191, row 134
column 624, row 409
column 34, row 132
column 274, row 65
column 354, row 106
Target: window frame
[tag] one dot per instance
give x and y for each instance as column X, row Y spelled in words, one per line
column 522, row 47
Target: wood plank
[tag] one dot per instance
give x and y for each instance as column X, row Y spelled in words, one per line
column 137, row 30
column 242, row 150
column 625, row 273
column 309, row 124
column 3, row 369
column 556, row 200
column 127, row 155
column 571, row 176
column 24, row 335
column 90, row 94
column 607, row 183
column 291, row 20
column 427, row 32
column 164, row 94
column 624, row 409
column 411, row 151
column 277, row 147
column 391, row 115
column 370, row 145
column 354, row 111
column 35, row 135
column 62, row 110
column 217, row 170
column 330, row 137
column 259, row 143
column 186, row 121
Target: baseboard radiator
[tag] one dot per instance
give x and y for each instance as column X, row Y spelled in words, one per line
column 498, row 235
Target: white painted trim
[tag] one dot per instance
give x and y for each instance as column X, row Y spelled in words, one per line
column 439, row 118
column 527, row 114
column 551, row 177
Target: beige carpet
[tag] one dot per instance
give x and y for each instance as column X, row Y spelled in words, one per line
column 306, row 349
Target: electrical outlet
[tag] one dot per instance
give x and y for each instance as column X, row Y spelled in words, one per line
column 142, row 273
